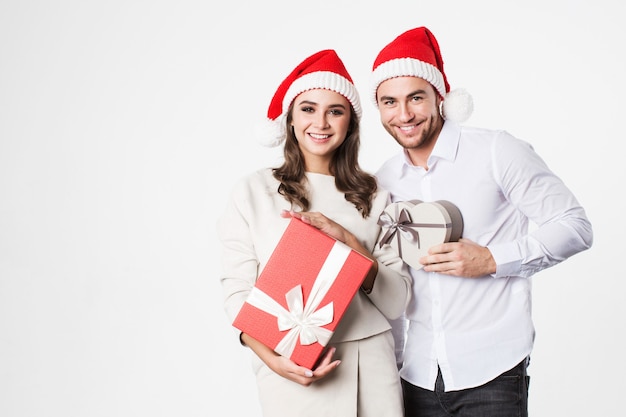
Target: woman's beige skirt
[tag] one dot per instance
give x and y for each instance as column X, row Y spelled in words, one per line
column 365, row 384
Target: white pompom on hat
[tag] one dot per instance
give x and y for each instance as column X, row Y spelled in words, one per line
column 324, row 70
column 416, row 53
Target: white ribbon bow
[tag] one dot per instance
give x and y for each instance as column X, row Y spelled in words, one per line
column 304, row 321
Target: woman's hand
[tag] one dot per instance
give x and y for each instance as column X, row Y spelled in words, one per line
column 319, row 221
column 288, row 369
column 338, row 232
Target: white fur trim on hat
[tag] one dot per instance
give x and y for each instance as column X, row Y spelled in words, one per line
column 407, row 67
column 271, row 133
column 457, row 106
column 327, row 80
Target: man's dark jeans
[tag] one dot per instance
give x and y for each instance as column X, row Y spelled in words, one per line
column 505, row 396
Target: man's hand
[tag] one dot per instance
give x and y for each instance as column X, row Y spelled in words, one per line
column 462, row 259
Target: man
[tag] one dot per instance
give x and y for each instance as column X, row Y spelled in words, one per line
column 470, row 332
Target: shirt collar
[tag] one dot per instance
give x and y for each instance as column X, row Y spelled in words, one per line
column 445, row 148
column 447, row 142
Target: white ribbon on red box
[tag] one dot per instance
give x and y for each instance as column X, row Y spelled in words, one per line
column 305, row 321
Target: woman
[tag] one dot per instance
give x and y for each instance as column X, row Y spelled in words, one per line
column 316, row 112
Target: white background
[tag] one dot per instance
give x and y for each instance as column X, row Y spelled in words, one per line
column 123, row 125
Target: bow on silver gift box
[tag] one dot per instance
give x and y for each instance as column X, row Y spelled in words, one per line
column 403, row 227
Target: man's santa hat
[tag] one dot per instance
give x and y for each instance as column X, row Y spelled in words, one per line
column 323, row 70
column 416, row 53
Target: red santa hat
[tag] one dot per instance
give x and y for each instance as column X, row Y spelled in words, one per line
column 416, row 53
column 324, row 70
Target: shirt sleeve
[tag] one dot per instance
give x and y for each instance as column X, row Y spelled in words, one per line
column 399, row 328
column 392, row 288
column 560, row 227
column 239, row 260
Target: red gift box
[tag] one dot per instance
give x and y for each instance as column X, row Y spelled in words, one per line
column 302, row 293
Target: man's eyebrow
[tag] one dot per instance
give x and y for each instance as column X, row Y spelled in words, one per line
column 419, row 91
column 411, row 94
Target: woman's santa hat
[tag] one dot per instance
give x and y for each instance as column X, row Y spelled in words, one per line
column 416, row 53
column 323, row 70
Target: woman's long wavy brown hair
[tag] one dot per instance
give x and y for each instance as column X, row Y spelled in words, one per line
column 358, row 186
